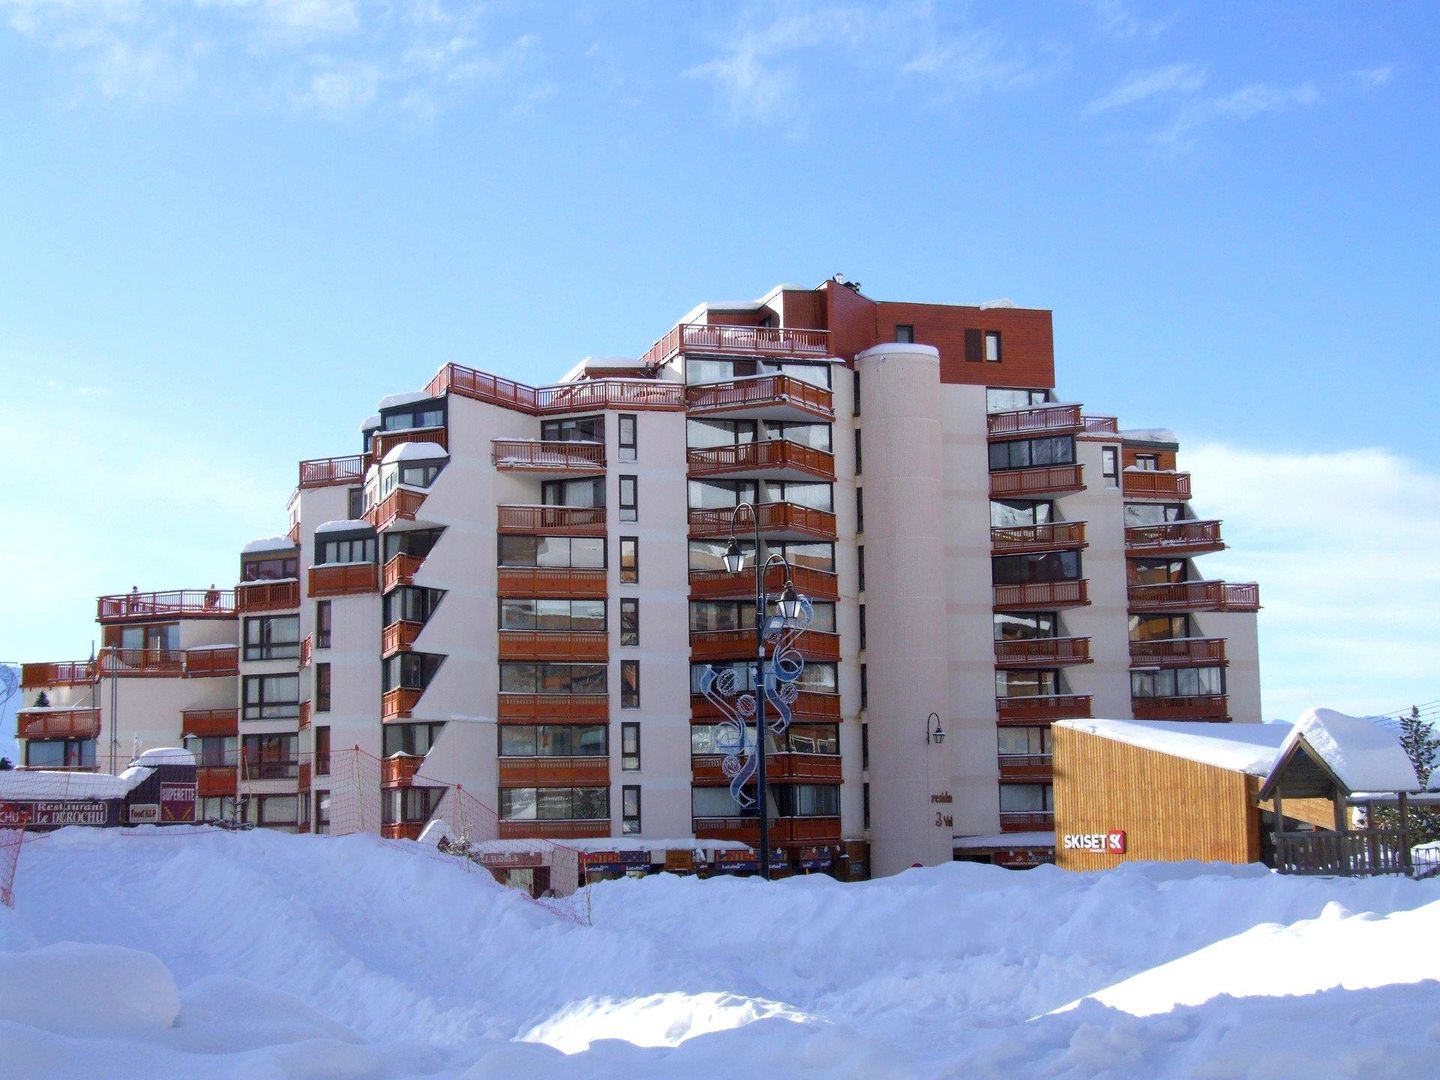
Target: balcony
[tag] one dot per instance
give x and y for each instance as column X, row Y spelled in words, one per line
column 783, row 830
column 1042, row 708
column 57, row 673
column 777, row 521
column 382, row 442
column 1178, row 652
column 1042, row 652
column 1026, row 767
column 767, row 397
column 554, row 830
column 176, row 604
column 780, row 767
column 1019, row 539
column 402, row 830
column 1037, row 420
column 57, row 723
column 553, row 708
column 1173, row 539
column 1152, row 484
column 552, row 458
column 1045, row 480
column 303, row 720
column 554, row 772
column 579, row 645
column 307, row 650
column 401, row 571
column 631, row 395
column 723, row 340
column 1042, row 595
column 344, row 579
column 552, row 520
column 333, row 472
column 402, row 504
column 708, row 645
column 213, row 781
column 721, row 584
column 142, row 663
column 399, row 703
column 552, row 583
column 216, row 661
column 809, row 705
column 302, row 782
column 1035, row 821
column 257, row 596
column 1101, row 427
column 775, row 459
column 400, row 770
column 1195, row 596
column 399, row 637
column 210, row 722
column 1213, row 707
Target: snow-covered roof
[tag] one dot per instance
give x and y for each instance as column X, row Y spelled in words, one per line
column 371, row 422
column 166, row 755
column 998, row 302
column 1363, row 755
column 414, row 451
column 1009, row 840
column 1153, row 435
column 30, row 784
column 267, row 543
column 1247, row 748
column 602, row 363
column 353, row 525
column 394, row 401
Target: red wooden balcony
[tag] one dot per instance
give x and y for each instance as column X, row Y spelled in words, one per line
column 1042, row 652
column 552, row 583
column 334, row 471
column 202, row 663
column 1151, row 484
column 1178, row 652
column 1026, row 767
column 721, row 584
column 707, row 645
column 302, row 781
column 213, row 781
column 777, row 521
column 552, row 520
column 344, row 579
column 1195, row 596
column 402, row 830
column 399, row 703
column 808, row 705
column 294, row 533
column 775, row 459
column 578, row 645
column 401, row 571
column 256, row 596
column 555, row 772
column 553, row 708
column 402, row 504
column 382, row 442
column 57, row 673
column 780, row 767
column 307, row 650
column 399, row 770
column 1042, row 708
column 548, row 457
column 210, row 722
column 628, row 394
column 769, row 397
column 1101, row 426
column 1044, row 480
column 1043, row 595
column 304, row 717
column 1036, row 420
column 399, row 637
column 554, row 830
column 176, row 604
column 1204, row 707
column 724, row 340
column 57, row 724
column 1054, row 536
column 1035, row 821
column 142, row 663
column 1174, row 538
column 784, row 831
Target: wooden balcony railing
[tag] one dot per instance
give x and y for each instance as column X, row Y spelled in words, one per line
column 399, row 637
column 1037, row 420
column 302, row 781
column 1043, row 707
column 554, row 830
column 399, row 770
column 210, row 722
column 780, row 767
column 1035, row 652
column 1346, row 854
column 1177, row 652
column 808, row 705
column 1043, row 594
column 57, row 724
column 399, row 703
column 304, row 719
column 402, row 830
column 330, row 472
column 176, row 604
column 201, row 663
column 1036, row 821
column 587, row 645
column 552, row 583
column 780, row 396
column 726, row 340
column 775, row 519
column 307, row 650
column 141, row 663
column 626, row 394
column 553, row 708
column 382, row 442
column 212, row 781
column 1043, row 480
column 535, row 455
column 344, row 579
column 706, row 645
column 1173, row 538
column 554, row 772
column 255, row 596
column 772, row 456
column 1195, row 596
column 1203, row 707
column 57, row 673
column 1101, row 426
column 720, row 584
column 1017, row 539
column 402, row 504
column 783, row 830
column 401, row 571
column 1036, row 767
column 1151, row 484
column 552, row 520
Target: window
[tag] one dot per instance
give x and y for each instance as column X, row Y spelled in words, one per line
column 1110, row 464
column 554, row 804
column 345, row 549
column 410, row 738
column 1178, row 682
column 215, row 808
column 1025, row 453
column 1026, row 626
column 815, row 496
column 630, row 747
column 269, row 811
column 815, row 436
column 322, row 624
column 992, row 346
column 630, row 810
column 1014, row 513
column 708, row 434
column 272, row 637
column 409, row 805
column 715, row 802
column 1023, row 741
column 410, row 603
column 275, row 568
column 322, row 687
column 570, row 615
column 1035, row 568
column 163, row 638
column 709, row 615
column 865, row 795
column 629, row 560
column 862, row 626
column 545, row 678
column 322, row 812
column 859, row 455
column 1159, row 627
column 855, row 405
column 812, row 739
column 860, row 557
column 270, row 757
column 721, row 494
column 807, row 800
column 998, row 398
column 1010, row 684
column 420, row 474
column 355, row 503
column 817, row 678
column 629, row 684
column 904, row 335
column 214, row 751
column 628, row 438
column 554, row 740
column 711, row 738
column 574, row 429
column 322, row 750
column 974, row 347
column 426, row 415
column 272, row 697
column 60, row 753
column 1026, row 799
column 1147, row 462
column 579, row 493
column 553, row 551
column 629, row 510
column 411, row 671
column 860, row 510
column 864, row 746
column 629, row 621
column 1157, row 571
column 1153, row 513
column 864, row 688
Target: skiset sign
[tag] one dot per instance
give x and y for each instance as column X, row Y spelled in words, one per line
column 1100, row 843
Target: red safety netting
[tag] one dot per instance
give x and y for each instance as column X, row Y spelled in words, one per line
column 10, row 843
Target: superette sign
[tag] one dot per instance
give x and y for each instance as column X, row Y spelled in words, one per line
column 1099, row 843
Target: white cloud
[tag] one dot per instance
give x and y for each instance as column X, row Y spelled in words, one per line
column 1142, row 85
column 1375, row 77
column 340, row 90
column 1246, row 103
column 1119, row 20
column 1342, row 545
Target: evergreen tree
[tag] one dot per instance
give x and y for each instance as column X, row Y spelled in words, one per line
column 6, row 764
column 42, row 701
column 1421, row 743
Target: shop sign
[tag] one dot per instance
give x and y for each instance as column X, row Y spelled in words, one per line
column 177, row 802
column 509, row 860
column 1111, row 843
column 145, row 813
column 736, row 861
column 616, row 860
column 815, row 859
column 52, row 814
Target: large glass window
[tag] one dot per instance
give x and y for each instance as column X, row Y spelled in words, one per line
column 812, row 739
column 715, row 802
column 345, row 549
column 819, row 678
column 272, row 637
column 807, row 800
column 428, row 415
column 710, row 554
column 552, row 614
column 410, row 805
column 997, row 398
column 561, row 552
column 214, row 751
column 629, row 560
column 416, row 542
column 525, row 678
column 1158, row 571
column 630, row 746
column 554, row 740
column 1011, row 513
column 706, row 370
column 1023, row 741
column 555, row 804
column 629, row 621
column 707, row 434
column 1026, row 799
column 1026, row 683
column 272, row 697
column 703, row 738
column 815, row 496
column 1026, row 626
column 574, row 429
column 1036, row 567
column 1153, row 513
column 707, row 615
column 722, row 494
column 410, row 738
column 411, row 671
column 580, row 493
column 269, row 811
column 411, row 603
column 274, row 568
column 1159, row 627
column 815, row 436
column 1024, row 453
column 1178, row 682
column 60, row 753
column 630, row 684
column 270, row 757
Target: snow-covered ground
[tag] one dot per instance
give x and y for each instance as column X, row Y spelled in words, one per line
column 186, row 953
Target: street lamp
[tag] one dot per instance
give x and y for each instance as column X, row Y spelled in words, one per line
column 937, row 734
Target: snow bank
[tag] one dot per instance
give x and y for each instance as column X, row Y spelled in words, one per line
column 73, row 989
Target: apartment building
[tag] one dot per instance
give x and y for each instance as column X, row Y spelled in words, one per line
column 518, row 590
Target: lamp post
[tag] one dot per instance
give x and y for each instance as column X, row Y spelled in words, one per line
column 937, row 734
column 790, row 608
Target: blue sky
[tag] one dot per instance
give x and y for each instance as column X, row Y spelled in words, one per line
column 227, row 227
